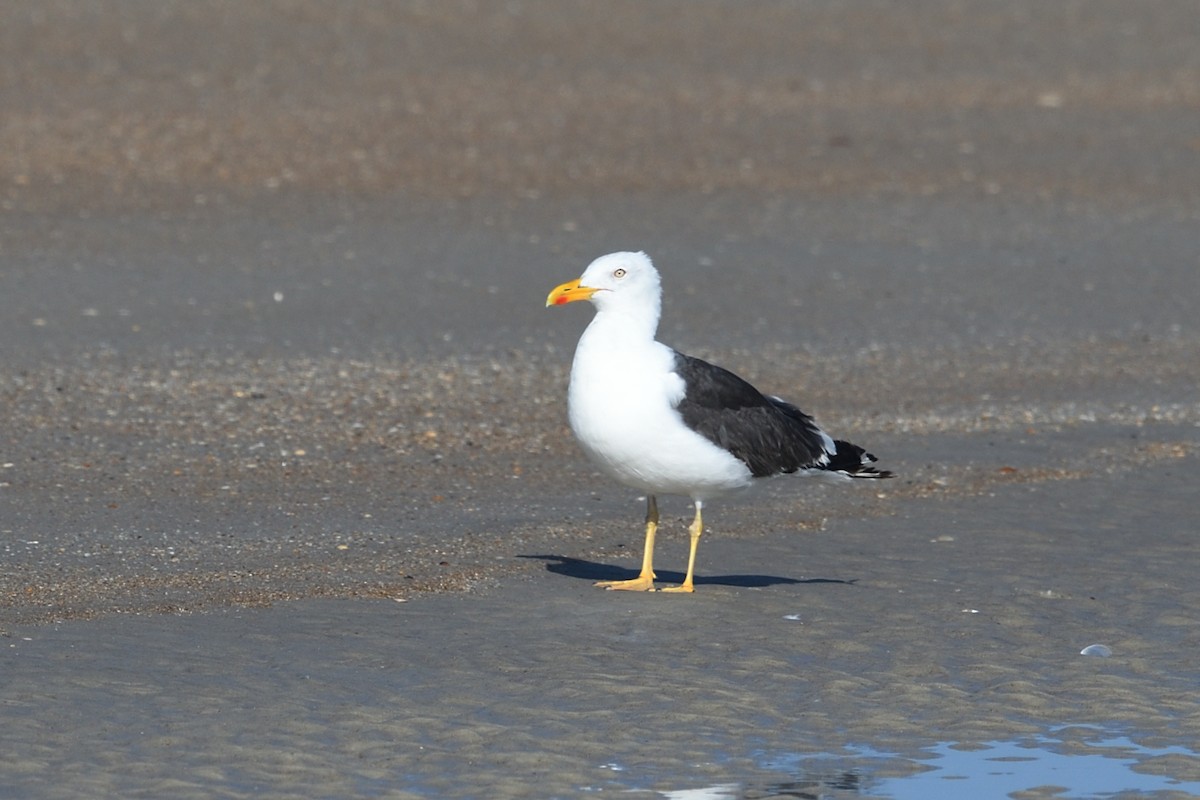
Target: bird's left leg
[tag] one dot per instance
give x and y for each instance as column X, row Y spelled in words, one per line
column 695, row 530
column 644, row 582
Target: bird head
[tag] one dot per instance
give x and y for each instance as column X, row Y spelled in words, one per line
column 613, row 281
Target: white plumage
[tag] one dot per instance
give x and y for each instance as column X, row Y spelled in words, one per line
column 624, row 393
column 665, row 423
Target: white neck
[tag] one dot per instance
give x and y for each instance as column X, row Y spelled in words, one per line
column 623, row 321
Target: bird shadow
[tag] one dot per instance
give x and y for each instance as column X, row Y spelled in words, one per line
column 593, row 571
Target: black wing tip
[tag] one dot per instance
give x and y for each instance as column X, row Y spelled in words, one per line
column 855, row 462
column 871, row 472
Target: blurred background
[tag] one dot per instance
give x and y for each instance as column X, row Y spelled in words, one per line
column 409, row 175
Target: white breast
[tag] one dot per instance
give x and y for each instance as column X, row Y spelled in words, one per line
column 622, row 409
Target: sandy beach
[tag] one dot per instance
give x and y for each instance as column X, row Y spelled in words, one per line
column 288, row 502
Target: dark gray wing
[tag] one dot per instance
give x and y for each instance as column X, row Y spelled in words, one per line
column 769, row 435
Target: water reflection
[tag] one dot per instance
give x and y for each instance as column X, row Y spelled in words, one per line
column 1066, row 762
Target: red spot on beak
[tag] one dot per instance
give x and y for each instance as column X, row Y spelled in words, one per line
column 561, row 300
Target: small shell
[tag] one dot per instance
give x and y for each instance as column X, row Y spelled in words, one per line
column 1096, row 650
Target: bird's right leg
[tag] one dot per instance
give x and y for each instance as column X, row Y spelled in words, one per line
column 644, row 582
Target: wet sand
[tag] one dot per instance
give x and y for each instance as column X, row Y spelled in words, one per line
column 288, row 506
column 951, row 619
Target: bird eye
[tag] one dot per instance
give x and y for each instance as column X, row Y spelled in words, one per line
column 619, row 272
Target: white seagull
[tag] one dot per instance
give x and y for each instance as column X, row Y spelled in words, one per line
column 666, row 423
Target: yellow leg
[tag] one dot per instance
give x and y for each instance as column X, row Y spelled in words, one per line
column 695, row 530
column 644, row 582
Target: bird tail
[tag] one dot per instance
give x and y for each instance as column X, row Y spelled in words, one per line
column 854, row 462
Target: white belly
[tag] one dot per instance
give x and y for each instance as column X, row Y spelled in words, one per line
column 622, row 412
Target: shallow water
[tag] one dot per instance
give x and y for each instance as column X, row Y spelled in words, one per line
column 1093, row 762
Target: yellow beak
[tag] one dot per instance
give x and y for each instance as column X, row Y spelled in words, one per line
column 569, row 292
